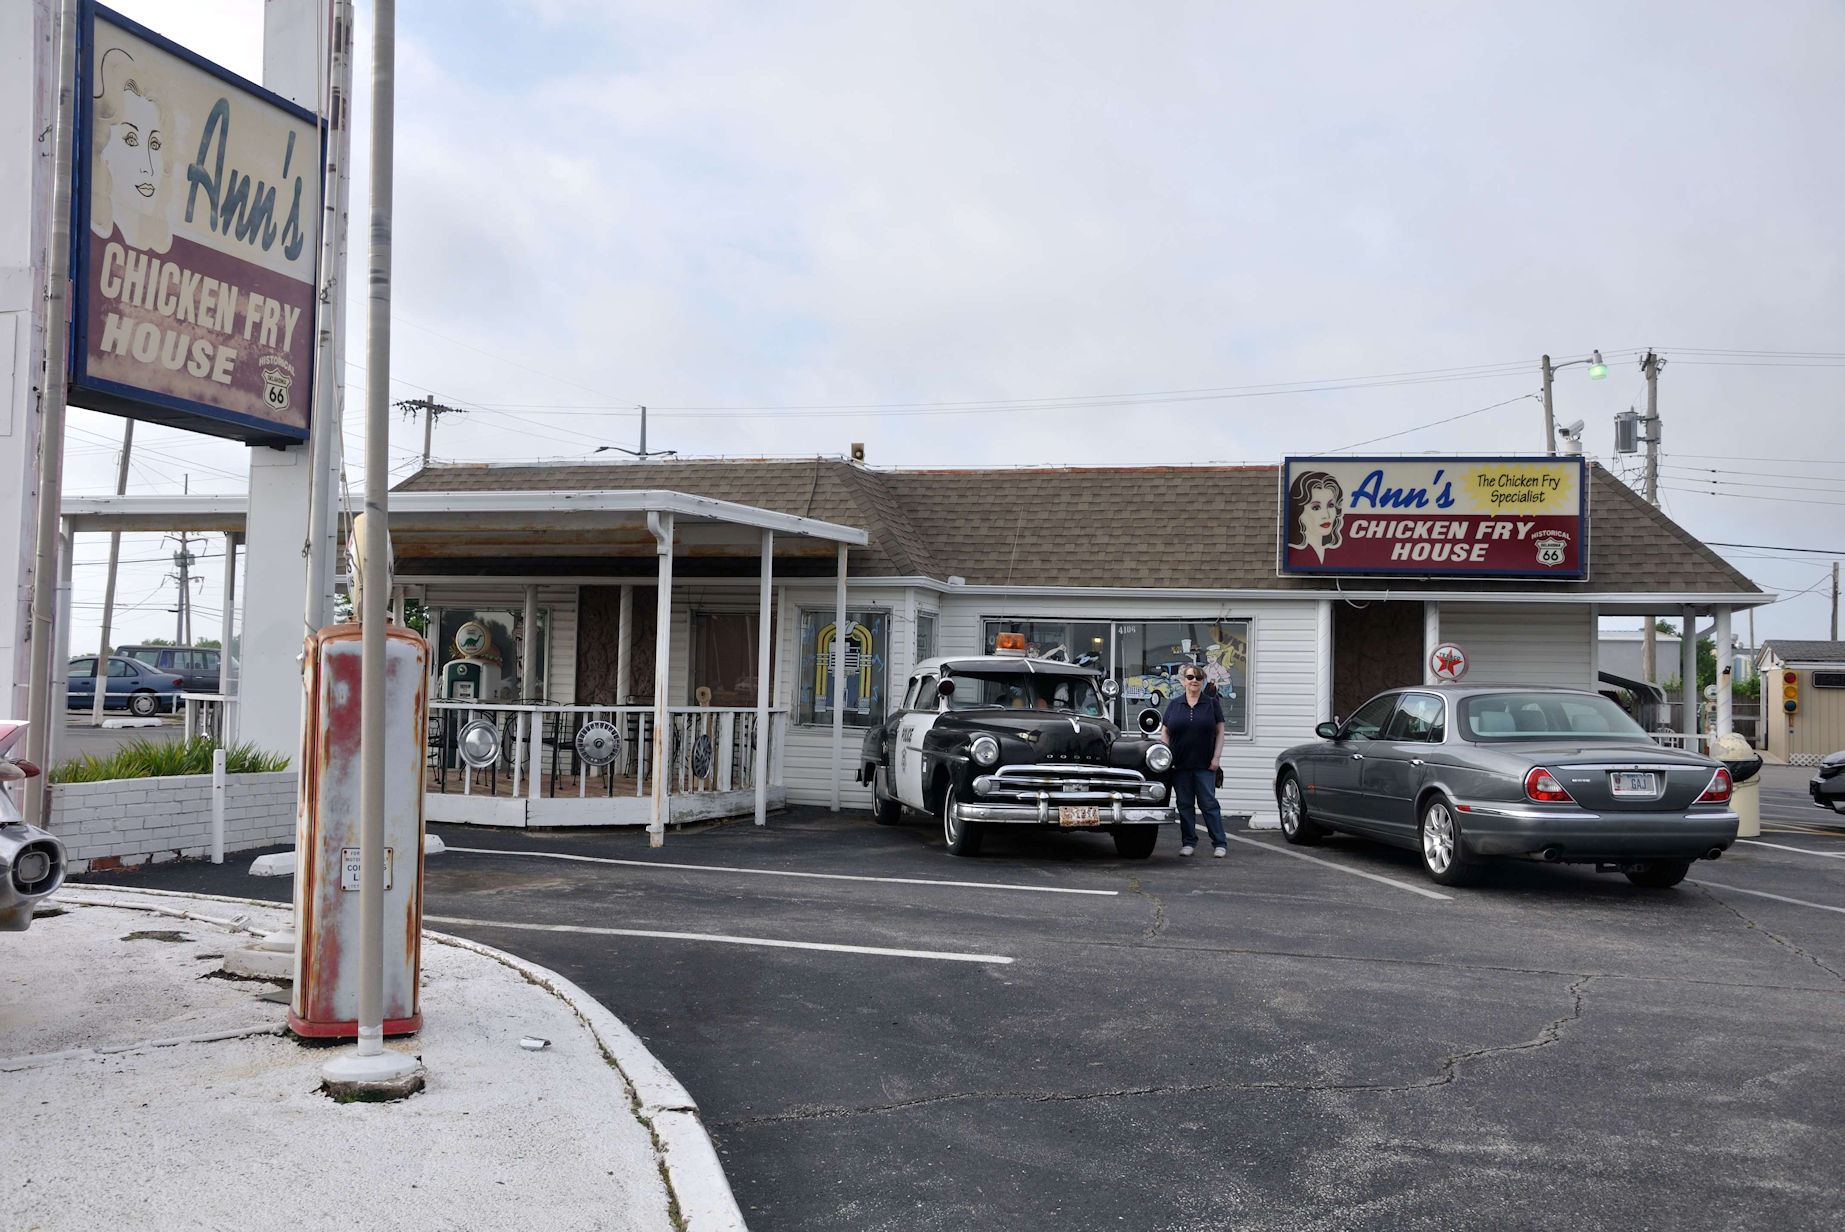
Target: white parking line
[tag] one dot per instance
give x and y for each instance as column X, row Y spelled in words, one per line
column 767, row 942
column 1301, row 855
column 779, row 872
column 1779, row 898
column 1830, row 855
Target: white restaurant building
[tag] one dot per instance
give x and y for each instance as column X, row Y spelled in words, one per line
column 1133, row 569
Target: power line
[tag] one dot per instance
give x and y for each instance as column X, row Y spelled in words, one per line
column 1436, row 424
column 1769, row 547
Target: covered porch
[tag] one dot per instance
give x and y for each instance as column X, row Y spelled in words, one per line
column 582, row 604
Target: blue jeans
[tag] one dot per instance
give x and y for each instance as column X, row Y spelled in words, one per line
column 1193, row 790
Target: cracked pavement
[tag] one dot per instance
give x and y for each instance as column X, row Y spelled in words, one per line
column 1255, row 1042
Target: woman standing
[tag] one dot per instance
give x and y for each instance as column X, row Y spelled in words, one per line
column 1193, row 727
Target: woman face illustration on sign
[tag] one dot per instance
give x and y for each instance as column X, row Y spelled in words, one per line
column 128, row 146
column 1316, row 513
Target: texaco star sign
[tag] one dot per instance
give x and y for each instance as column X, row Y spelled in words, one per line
column 1448, row 662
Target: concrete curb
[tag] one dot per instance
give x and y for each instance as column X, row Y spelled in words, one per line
column 694, row 1174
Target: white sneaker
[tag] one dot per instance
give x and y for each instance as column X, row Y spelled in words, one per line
column 1220, row 852
column 1185, row 850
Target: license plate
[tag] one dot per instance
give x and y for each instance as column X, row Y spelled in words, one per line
column 1079, row 815
column 1634, row 783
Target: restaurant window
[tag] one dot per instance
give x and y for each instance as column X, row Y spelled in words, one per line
column 867, row 656
column 1149, row 654
column 1085, row 642
column 724, row 646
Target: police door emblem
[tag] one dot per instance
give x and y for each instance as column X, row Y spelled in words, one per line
column 1551, row 545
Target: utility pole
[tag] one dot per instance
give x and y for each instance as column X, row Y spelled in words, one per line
column 1649, row 645
column 182, row 560
column 643, row 453
column 432, row 410
column 115, row 556
column 1835, row 600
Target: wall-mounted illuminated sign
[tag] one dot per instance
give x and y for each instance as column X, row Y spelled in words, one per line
column 195, row 242
column 1505, row 517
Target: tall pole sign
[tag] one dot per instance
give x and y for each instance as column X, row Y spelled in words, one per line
column 197, row 237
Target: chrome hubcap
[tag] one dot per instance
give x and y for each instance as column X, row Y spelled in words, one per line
column 951, row 829
column 1438, row 838
column 1290, row 806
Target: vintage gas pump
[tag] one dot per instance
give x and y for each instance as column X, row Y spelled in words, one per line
column 474, row 676
column 326, row 996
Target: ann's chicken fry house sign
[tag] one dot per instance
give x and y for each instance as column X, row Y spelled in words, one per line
column 196, row 240
column 1503, row 517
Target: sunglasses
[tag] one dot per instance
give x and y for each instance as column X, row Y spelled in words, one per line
column 1193, row 676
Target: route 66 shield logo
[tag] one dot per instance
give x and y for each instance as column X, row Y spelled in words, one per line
column 1551, row 544
column 278, row 374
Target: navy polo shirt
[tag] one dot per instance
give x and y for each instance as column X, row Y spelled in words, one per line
column 1192, row 731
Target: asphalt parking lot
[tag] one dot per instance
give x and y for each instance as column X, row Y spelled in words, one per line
column 1050, row 1037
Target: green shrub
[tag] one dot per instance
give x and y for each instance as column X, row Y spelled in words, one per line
column 153, row 759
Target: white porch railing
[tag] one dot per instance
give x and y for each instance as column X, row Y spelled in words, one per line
column 712, row 750
column 211, row 714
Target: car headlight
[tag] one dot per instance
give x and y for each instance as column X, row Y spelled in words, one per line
column 984, row 750
column 1159, row 758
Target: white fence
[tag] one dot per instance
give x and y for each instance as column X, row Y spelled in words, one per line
column 540, row 779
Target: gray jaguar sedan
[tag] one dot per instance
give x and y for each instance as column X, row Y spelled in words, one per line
column 1461, row 773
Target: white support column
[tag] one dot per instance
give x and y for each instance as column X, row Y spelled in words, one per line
column 1323, row 661
column 661, row 524
column 1431, row 638
column 1726, row 661
column 624, row 647
column 269, row 689
column 839, row 676
column 764, row 619
column 1688, row 676
column 227, row 729
column 528, row 646
column 1595, row 648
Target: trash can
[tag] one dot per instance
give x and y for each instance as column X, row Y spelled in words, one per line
column 1744, row 765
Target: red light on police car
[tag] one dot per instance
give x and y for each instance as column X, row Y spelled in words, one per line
column 1010, row 643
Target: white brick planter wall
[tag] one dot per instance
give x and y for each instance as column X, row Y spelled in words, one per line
column 125, row 822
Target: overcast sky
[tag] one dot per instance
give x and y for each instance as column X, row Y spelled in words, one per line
column 1023, row 233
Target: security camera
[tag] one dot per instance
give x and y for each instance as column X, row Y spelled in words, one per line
column 1573, row 432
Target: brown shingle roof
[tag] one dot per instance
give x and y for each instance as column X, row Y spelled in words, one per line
column 1159, row 527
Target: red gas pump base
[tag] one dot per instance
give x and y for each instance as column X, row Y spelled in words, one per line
column 393, row 1027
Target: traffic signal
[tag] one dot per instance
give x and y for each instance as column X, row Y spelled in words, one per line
column 1790, row 691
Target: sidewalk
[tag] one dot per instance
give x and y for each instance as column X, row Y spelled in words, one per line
column 145, row 1089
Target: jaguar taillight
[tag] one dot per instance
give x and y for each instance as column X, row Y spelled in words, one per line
column 1719, row 790
column 1541, row 785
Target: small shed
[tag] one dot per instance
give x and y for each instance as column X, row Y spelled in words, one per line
column 1814, row 674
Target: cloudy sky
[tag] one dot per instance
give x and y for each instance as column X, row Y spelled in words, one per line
column 1034, row 233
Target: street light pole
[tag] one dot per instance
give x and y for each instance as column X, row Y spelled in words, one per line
column 1550, row 417
column 1597, row 371
column 374, row 1067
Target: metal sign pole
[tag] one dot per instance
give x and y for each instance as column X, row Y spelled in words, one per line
column 43, row 709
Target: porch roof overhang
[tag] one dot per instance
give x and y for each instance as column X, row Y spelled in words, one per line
column 436, row 525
